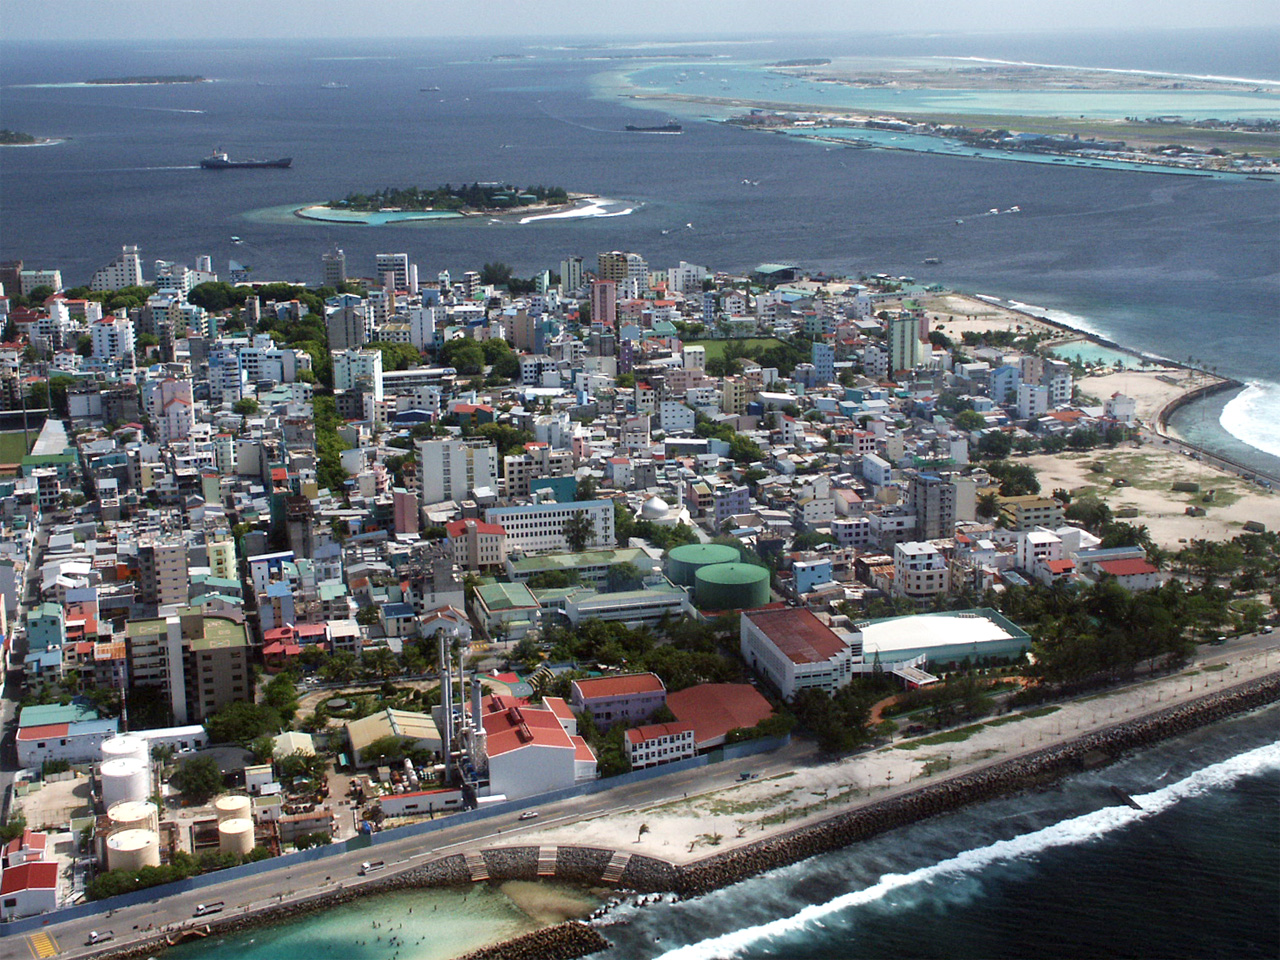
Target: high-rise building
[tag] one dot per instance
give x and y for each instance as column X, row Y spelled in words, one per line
column 346, row 319
column 570, row 275
column 620, row 266
column 112, row 338
column 334, row 268
column 396, row 264
column 124, row 271
column 451, row 469
column 933, row 501
column 604, row 302
column 162, row 569
column 824, row 361
column 904, row 343
column 358, row 369
column 10, row 277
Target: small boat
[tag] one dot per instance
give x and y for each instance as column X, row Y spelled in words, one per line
column 220, row 161
column 931, row 260
column 332, row 85
column 236, row 240
column 1125, row 798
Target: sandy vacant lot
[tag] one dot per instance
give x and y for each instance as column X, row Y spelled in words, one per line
column 1150, row 472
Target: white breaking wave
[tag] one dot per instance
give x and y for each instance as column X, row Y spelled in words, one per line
column 1136, row 73
column 1077, row 830
column 1253, row 416
column 596, row 208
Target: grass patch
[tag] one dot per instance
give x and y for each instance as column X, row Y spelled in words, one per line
column 1001, row 721
column 1215, row 667
column 721, row 808
column 12, row 447
column 1041, row 711
column 958, row 735
column 715, row 348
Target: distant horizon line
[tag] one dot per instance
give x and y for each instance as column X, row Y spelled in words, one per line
column 623, row 42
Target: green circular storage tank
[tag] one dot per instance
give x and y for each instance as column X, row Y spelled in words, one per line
column 684, row 562
column 731, row 586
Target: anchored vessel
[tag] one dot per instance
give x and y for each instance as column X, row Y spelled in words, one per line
column 669, row 127
column 219, row 161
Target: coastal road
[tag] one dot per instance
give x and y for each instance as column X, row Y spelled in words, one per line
column 341, row 872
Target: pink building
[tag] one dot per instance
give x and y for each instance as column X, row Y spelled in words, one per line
column 631, row 698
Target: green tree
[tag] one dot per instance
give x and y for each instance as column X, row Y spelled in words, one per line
column 242, row 722
column 970, row 420
column 463, row 354
column 198, row 778
column 396, row 356
column 579, row 531
column 495, row 274
column 389, row 749
column 245, row 406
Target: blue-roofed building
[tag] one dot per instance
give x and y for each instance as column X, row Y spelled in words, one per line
column 46, row 628
column 397, row 619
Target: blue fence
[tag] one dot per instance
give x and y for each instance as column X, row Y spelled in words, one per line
column 290, row 860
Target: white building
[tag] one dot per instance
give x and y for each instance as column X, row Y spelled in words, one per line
column 919, row 570
column 422, row 326
column 675, row 417
column 170, row 406
column 451, row 469
column 397, row 265
column 358, row 369
column 1033, row 401
column 112, row 338
column 795, row 650
column 658, row 743
column 124, row 271
column 530, row 751
column 29, row 889
column 539, row 527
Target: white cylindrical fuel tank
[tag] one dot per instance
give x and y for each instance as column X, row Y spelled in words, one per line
column 134, row 815
column 235, row 836
column 133, row 849
column 232, row 807
column 125, row 779
column 118, row 748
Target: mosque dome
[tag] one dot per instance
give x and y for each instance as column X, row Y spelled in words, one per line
column 655, row 508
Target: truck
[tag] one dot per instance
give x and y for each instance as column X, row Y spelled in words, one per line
column 204, row 909
column 369, row 866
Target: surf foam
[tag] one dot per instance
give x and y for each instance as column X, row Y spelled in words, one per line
column 1077, row 830
column 1253, row 416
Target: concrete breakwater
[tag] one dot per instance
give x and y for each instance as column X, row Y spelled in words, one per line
column 564, row 941
column 998, row 780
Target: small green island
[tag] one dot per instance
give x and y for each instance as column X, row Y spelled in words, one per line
column 465, row 199
column 123, row 81
column 14, row 138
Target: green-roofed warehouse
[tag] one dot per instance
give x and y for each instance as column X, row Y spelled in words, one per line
column 684, row 562
column 731, row 586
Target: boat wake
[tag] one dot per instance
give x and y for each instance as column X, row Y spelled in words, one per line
column 1250, row 416
column 1077, row 830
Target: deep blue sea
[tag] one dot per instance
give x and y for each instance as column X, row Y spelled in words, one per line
column 1060, row 873
column 1179, row 267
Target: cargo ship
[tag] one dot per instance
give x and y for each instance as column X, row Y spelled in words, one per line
column 669, row 127
column 219, row 161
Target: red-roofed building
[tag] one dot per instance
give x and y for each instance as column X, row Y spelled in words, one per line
column 714, row 709
column 527, row 750
column 794, row 650
column 658, row 743
column 1136, row 574
column 477, row 545
column 631, row 698
column 420, row 801
column 30, row 846
column 28, row 889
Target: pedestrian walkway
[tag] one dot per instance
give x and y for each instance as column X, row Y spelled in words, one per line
column 42, row 945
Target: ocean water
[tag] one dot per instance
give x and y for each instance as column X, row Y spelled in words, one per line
column 1065, row 872
column 1178, row 267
